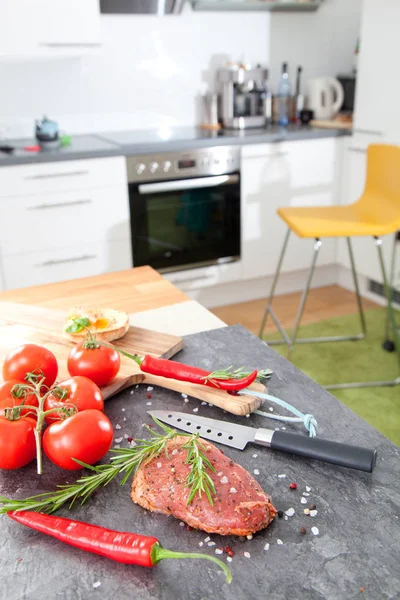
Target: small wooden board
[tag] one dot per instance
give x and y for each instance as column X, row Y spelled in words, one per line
column 21, row 323
column 334, row 124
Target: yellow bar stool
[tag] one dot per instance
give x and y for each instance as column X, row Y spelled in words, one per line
column 375, row 214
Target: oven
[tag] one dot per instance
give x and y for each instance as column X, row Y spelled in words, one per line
column 185, row 208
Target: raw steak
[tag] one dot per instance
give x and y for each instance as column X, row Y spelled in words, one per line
column 240, row 505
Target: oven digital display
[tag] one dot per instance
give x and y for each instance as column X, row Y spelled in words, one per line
column 186, row 164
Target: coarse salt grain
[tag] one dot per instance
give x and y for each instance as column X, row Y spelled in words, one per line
column 247, row 554
column 306, row 494
column 313, row 513
column 307, row 511
column 247, row 416
column 224, row 479
column 131, row 392
column 118, row 440
column 200, row 544
column 174, row 452
column 181, row 524
column 132, row 444
column 286, row 518
column 204, row 403
column 211, row 544
column 186, row 400
column 149, row 403
column 207, row 539
column 282, row 475
column 315, row 530
column 150, row 389
column 123, row 409
column 96, row 584
column 159, row 465
column 279, row 542
column 303, row 500
column 255, row 455
column 283, row 428
column 196, row 410
column 308, row 489
column 290, row 512
column 124, row 418
column 184, row 395
column 256, row 472
column 229, row 559
column 126, row 436
column 266, row 547
column 271, row 409
column 233, row 490
column 250, row 536
column 118, row 426
column 220, row 474
column 117, row 446
column 218, row 551
column 137, row 386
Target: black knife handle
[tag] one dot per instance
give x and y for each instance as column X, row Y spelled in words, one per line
column 344, row 455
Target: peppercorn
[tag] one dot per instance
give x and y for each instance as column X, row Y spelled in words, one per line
column 293, row 486
column 312, row 506
column 303, row 530
column 361, row 589
column 280, row 514
column 130, row 439
column 148, row 395
column 228, row 550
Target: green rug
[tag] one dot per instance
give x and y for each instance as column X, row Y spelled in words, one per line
column 365, row 360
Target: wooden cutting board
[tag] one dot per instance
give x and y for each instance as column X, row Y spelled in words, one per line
column 334, row 124
column 21, row 323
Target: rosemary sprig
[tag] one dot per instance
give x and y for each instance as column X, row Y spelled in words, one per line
column 198, row 479
column 126, row 461
column 240, row 373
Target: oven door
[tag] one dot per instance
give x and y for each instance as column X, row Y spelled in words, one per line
column 185, row 223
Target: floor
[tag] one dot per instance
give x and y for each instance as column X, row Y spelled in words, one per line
column 323, row 303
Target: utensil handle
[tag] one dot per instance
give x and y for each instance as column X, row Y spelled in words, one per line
column 344, row 455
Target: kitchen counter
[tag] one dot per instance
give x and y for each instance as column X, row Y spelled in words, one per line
column 352, row 545
column 129, row 143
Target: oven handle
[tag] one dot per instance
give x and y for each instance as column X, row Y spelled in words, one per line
column 188, row 184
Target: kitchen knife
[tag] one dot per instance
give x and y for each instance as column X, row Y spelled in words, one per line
column 238, row 436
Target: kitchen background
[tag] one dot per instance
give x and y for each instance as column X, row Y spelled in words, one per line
column 150, row 70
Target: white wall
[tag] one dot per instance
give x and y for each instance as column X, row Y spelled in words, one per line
column 321, row 42
column 148, row 74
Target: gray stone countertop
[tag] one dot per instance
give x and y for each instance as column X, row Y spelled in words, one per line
column 129, row 143
column 358, row 540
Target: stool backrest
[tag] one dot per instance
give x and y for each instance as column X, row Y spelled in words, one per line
column 381, row 197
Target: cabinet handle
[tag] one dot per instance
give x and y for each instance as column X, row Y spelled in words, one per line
column 368, row 131
column 50, row 263
column 191, row 279
column 59, row 205
column 51, row 175
column 71, row 44
column 273, row 155
column 355, row 149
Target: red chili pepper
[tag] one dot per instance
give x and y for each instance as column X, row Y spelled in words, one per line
column 124, row 547
column 175, row 370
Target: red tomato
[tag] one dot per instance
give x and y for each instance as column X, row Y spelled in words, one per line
column 87, row 435
column 81, row 392
column 7, row 400
column 30, row 358
column 17, row 442
column 99, row 364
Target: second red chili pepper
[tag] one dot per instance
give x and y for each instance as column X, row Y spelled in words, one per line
column 124, row 547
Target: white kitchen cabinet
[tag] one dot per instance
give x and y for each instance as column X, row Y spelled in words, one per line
column 64, row 220
column 298, row 173
column 378, row 87
column 47, row 28
column 352, row 185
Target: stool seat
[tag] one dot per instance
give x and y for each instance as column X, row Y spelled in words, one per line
column 342, row 221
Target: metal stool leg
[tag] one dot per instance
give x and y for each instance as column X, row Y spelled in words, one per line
column 388, row 344
column 392, row 317
column 355, row 279
column 275, row 281
column 303, row 300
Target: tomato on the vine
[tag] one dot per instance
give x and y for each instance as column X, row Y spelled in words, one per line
column 97, row 362
column 8, row 400
column 80, row 392
column 87, row 436
column 17, row 442
column 30, row 358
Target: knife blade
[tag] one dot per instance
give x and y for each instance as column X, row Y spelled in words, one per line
column 238, row 436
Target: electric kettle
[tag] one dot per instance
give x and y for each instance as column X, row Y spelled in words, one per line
column 325, row 97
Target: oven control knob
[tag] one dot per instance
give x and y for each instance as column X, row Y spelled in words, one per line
column 153, row 167
column 140, row 168
column 166, row 166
